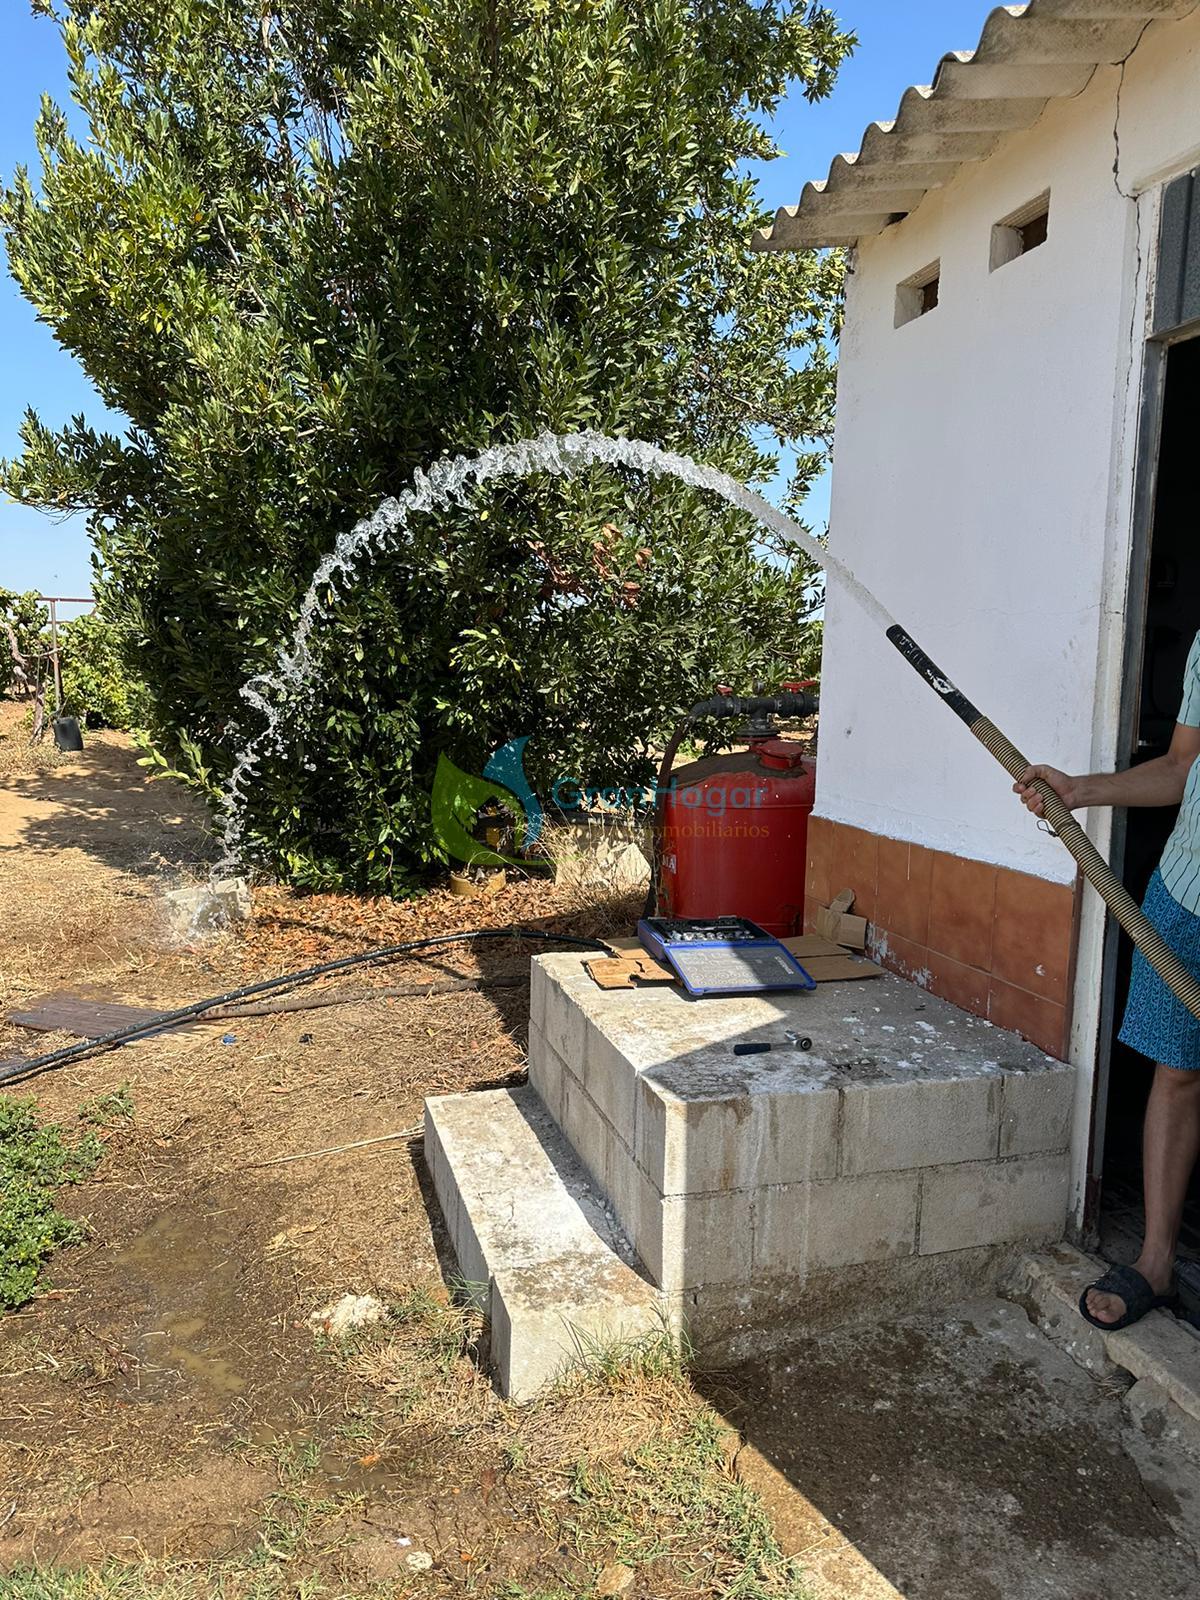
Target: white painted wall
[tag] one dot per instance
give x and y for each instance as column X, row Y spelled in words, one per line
column 983, row 466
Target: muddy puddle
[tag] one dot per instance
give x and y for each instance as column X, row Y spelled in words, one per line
column 199, row 1318
column 181, row 1275
column 328, row 1472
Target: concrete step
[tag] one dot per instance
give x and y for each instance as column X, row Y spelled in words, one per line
column 537, row 1247
column 1159, row 1347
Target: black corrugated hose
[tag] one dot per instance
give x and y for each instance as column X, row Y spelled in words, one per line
column 18, row 1071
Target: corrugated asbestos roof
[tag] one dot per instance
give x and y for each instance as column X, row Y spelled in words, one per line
column 1027, row 56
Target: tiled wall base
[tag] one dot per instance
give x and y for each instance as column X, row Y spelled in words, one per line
column 998, row 943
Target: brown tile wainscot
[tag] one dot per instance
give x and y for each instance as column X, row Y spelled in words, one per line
column 998, row 943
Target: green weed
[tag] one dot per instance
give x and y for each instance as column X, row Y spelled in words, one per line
column 35, row 1161
column 105, row 1109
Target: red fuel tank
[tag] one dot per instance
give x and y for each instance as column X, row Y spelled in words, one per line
column 735, row 836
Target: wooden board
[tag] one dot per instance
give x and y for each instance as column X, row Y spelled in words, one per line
column 86, row 1019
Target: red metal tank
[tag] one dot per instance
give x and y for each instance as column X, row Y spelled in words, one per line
column 735, row 836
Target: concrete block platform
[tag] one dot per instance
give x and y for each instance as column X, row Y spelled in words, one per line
column 909, row 1154
column 909, row 1129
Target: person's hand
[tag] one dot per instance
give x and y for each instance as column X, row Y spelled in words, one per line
column 1067, row 789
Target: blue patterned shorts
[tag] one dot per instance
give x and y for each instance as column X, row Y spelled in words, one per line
column 1155, row 1024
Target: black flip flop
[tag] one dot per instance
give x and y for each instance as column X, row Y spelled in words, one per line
column 1137, row 1294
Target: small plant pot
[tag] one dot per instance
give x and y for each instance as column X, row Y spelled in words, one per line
column 67, row 733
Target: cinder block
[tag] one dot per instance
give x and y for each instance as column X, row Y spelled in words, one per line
column 1035, row 1111
column 681, row 1240
column 539, row 988
column 891, row 1127
column 612, row 1081
column 994, row 1202
column 800, row 1227
column 562, row 1019
column 706, row 1238
column 637, row 1206
column 695, row 1145
column 547, row 1074
column 587, row 1131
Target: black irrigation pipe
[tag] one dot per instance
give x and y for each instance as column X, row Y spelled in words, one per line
column 21, row 1070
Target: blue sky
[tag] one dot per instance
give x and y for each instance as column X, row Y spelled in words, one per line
column 900, row 42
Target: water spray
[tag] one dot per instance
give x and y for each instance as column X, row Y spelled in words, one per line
column 275, row 695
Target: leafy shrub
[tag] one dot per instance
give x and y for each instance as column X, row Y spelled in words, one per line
column 35, row 1160
column 311, row 247
column 96, row 684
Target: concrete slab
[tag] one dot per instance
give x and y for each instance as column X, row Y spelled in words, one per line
column 537, row 1247
column 1159, row 1347
column 964, row 1456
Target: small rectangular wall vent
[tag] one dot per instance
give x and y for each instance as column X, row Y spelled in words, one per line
column 918, row 294
column 1023, row 231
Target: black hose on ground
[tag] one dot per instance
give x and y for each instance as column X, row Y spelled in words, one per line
column 19, row 1071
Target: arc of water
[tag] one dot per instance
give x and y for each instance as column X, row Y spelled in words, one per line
column 560, row 454
column 446, row 483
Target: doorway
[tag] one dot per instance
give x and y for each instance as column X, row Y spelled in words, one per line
column 1170, row 621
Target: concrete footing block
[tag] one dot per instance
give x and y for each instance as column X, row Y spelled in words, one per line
column 993, row 1202
column 1159, row 1347
column 536, row 1245
column 887, row 1127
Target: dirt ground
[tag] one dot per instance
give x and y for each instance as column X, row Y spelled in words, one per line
column 966, row 1457
column 170, row 1418
column 167, row 1399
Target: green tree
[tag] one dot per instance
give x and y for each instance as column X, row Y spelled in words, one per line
column 310, row 245
column 96, row 685
column 24, row 641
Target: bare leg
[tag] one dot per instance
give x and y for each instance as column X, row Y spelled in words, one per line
column 1170, row 1145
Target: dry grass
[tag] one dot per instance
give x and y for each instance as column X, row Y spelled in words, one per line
column 170, row 1426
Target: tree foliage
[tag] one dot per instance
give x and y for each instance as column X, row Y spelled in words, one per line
column 310, row 245
column 97, row 687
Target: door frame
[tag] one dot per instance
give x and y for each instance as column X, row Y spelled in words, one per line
column 1156, row 354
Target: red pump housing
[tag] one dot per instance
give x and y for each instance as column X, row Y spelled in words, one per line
column 734, row 836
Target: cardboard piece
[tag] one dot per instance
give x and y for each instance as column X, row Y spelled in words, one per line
column 843, row 968
column 627, row 971
column 807, row 946
column 834, row 922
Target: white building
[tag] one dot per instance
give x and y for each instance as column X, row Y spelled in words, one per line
column 1018, row 400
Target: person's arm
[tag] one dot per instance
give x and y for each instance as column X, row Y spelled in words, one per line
column 1155, row 783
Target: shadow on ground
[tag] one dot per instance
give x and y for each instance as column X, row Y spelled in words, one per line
column 967, row 1458
column 97, row 803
